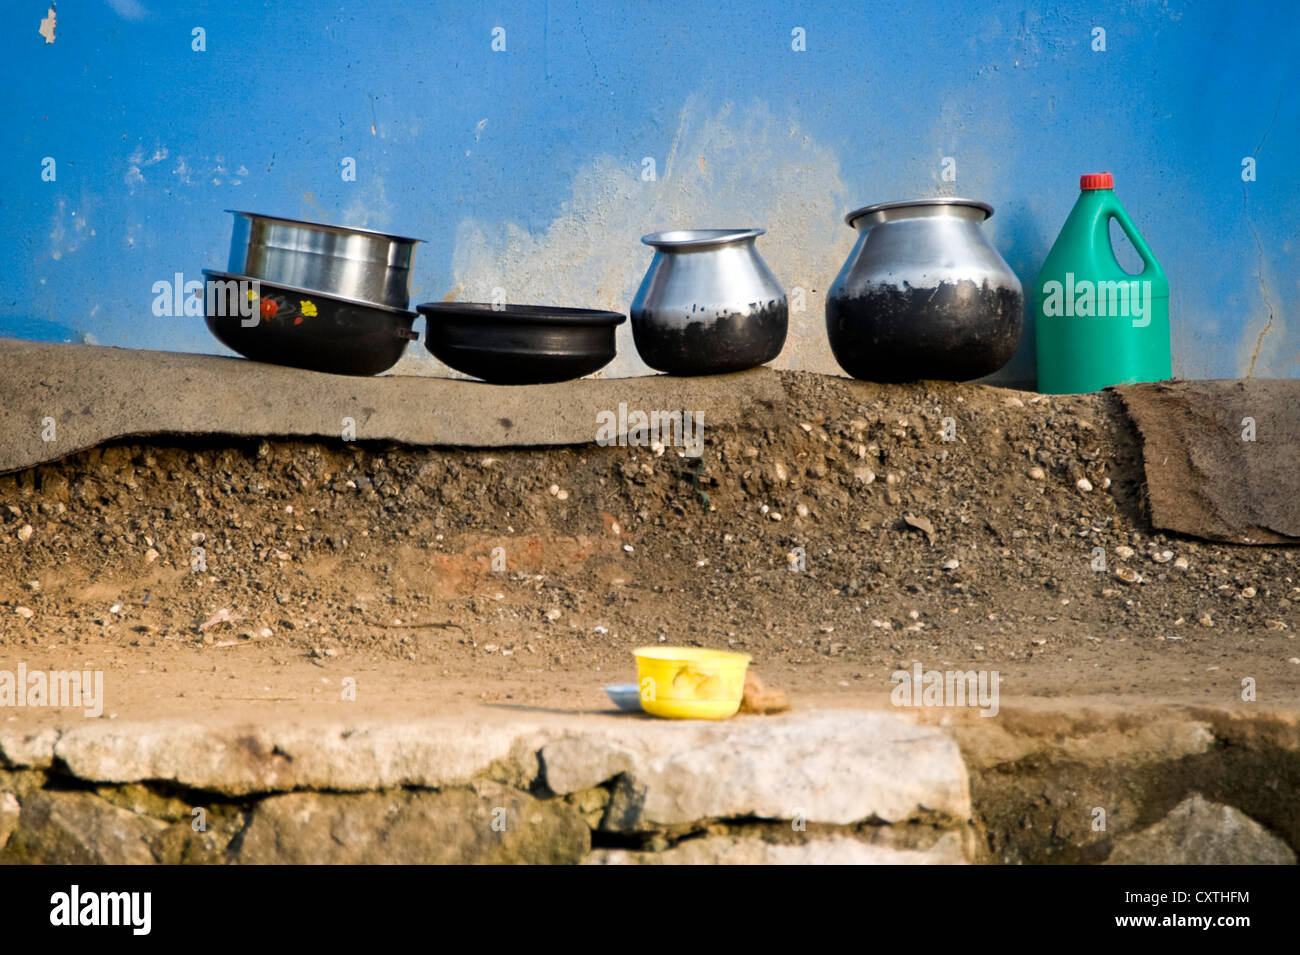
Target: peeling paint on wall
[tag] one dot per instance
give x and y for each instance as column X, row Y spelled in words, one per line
column 48, row 24
column 138, row 162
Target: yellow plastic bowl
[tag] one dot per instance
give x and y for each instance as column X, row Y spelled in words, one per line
column 690, row 683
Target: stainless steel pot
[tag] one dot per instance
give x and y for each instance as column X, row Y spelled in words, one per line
column 708, row 303
column 357, row 265
column 923, row 295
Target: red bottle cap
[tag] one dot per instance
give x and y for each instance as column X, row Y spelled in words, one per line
column 1097, row 180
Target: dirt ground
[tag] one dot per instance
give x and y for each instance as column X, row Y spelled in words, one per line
column 836, row 538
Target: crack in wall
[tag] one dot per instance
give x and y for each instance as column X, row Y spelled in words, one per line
column 1263, row 284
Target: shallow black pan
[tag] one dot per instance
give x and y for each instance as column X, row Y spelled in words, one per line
column 305, row 329
column 519, row 344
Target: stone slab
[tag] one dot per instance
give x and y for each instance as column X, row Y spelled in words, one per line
column 827, row 850
column 1200, row 832
column 837, row 767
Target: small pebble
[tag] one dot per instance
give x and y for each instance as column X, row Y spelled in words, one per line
column 1181, row 564
column 1037, row 474
column 25, row 612
column 1123, row 552
column 25, row 533
column 1083, row 484
column 951, row 564
column 1248, row 592
column 1205, row 620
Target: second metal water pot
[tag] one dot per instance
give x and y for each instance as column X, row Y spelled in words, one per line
column 708, row 304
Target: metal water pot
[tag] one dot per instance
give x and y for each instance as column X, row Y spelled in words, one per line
column 923, row 295
column 355, row 265
column 708, row 303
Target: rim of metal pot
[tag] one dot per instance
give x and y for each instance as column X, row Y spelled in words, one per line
column 297, row 290
column 698, row 238
column 541, row 314
column 880, row 207
column 324, row 226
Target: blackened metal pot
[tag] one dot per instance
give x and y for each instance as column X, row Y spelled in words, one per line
column 519, row 344
column 302, row 328
column 708, row 303
column 923, row 295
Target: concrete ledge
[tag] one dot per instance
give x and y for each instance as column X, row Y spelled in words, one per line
column 95, row 394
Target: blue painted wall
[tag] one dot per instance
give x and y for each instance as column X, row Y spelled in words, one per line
column 523, row 168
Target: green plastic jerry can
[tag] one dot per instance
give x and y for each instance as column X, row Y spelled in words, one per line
column 1098, row 325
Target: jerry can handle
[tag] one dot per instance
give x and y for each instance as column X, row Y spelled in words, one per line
column 1113, row 210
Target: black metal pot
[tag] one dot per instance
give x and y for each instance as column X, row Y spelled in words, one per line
column 519, row 344
column 923, row 295
column 304, row 329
